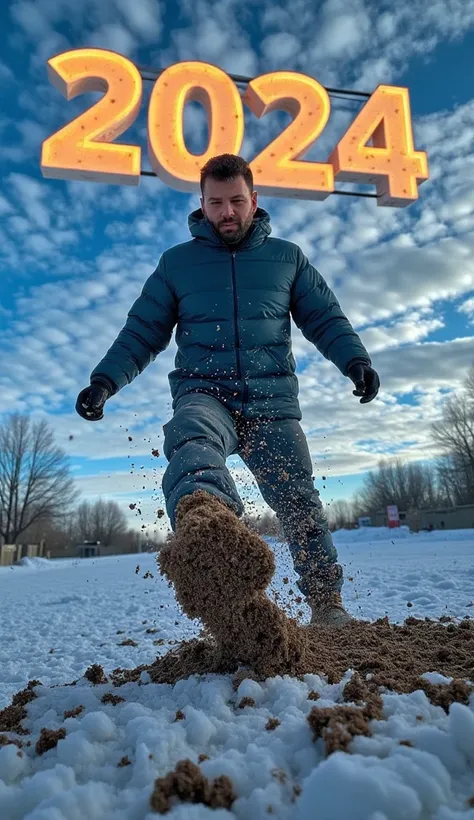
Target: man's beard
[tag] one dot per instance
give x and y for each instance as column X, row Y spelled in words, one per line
column 236, row 233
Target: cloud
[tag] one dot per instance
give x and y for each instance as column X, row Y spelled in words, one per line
column 75, row 256
column 467, row 307
column 30, row 195
column 115, row 37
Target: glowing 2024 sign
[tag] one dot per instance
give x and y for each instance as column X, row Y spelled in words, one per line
column 84, row 148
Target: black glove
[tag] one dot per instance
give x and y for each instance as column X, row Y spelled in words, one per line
column 366, row 381
column 90, row 401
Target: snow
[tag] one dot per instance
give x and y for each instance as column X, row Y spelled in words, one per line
column 76, row 608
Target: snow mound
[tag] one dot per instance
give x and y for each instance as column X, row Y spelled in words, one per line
column 34, row 563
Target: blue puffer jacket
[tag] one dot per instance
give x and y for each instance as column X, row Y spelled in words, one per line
column 231, row 309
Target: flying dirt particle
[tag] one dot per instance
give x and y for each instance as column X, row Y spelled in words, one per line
column 160, row 513
column 73, row 713
column 137, row 569
column 188, row 783
column 124, row 761
column 95, row 674
column 132, row 506
column 71, row 437
column 151, row 630
column 409, row 604
column 49, row 739
column 313, row 695
column 179, row 715
column 109, row 697
column 405, row 743
column 155, row 453
column 202, row 757
column 128, row 642
column 272, row 724
column 148, row 574
column 130, row 438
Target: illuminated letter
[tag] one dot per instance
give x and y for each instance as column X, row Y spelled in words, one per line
column 276, row 170
column 82, row 149
column 391, row 163
column 179, row 83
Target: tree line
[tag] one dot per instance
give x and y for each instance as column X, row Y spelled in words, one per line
column 38, row 498
column 446, row 482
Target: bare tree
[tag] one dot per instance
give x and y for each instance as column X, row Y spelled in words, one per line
column 100, row 521
column 454, row 435
column 409, row 486
column 34, row 476
column 340, row 514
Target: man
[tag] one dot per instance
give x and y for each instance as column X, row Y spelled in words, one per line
column 230, row 291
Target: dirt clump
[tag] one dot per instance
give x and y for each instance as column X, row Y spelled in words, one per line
column 6, row 741
column 220, row 570
column 49, row 739
column 73, row 713
column 109, row 697
column 187, row 784
column 11, row 716
column 246, row 702
column 95, row 674
column 272, row 724
column 337, row 725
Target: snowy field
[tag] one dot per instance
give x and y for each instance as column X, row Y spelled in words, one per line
column 59, row 617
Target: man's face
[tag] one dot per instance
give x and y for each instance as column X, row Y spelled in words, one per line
column 229, row 207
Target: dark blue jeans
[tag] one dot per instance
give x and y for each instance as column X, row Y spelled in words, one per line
column 199, row 438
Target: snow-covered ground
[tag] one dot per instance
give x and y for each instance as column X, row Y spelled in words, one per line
column 58, row 618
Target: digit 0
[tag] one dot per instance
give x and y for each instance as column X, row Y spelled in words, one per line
column 277, row 169
column 391, row 162
column 82, row 149
column 178, row 84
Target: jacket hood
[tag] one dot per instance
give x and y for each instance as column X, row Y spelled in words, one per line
column 201, row 229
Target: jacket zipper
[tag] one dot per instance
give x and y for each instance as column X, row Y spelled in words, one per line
column 244, row 390
column 236, row 320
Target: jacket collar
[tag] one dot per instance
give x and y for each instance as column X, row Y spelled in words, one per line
column 201, row 229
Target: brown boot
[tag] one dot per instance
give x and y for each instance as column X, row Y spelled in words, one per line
column 329, row 611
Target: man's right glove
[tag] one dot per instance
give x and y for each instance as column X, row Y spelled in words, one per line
column 90, row 401
column 366, row 381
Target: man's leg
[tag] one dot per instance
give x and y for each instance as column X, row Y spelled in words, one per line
column 198, row 440
column 277, row 453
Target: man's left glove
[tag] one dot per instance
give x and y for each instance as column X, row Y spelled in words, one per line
column 90, row 401
column 366, row 381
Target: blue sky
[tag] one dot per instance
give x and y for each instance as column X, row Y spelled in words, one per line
column 74, row 256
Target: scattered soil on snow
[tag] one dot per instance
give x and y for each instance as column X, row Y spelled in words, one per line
column 220, row 571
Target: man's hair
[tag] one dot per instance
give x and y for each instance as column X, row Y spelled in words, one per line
column 227, row 166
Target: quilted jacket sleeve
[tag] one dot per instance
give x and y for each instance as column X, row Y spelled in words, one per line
column 318, row 314
column 146, row 333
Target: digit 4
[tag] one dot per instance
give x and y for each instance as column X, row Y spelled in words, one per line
column 390, row 162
